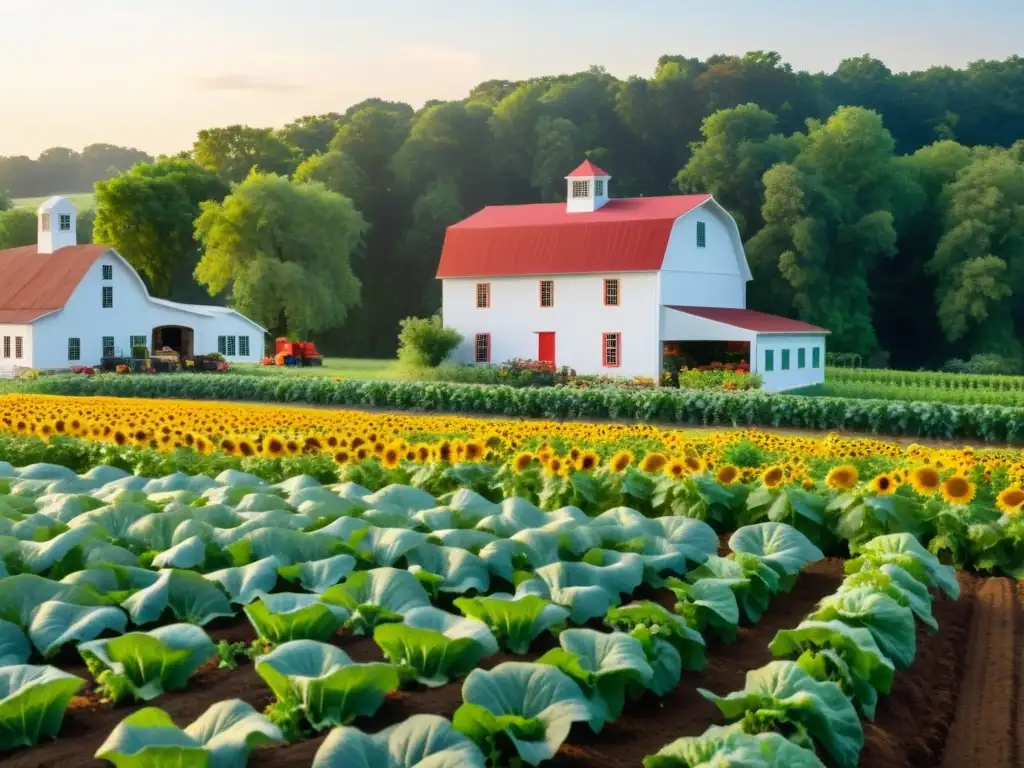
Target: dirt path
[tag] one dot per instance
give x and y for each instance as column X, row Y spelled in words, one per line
column 983, row 728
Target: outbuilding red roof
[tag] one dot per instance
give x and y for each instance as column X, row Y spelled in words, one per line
column 624, row 235
column 35, row 284
column 587, row 168
column 750, row 320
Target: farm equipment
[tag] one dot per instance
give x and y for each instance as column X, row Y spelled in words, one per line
column 288, row 352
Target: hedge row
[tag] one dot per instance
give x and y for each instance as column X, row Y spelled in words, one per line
column 988, row 423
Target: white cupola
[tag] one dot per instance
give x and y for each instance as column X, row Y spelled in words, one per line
column 56, row 225
column 587, row 188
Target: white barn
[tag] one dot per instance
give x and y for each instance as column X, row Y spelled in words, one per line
column 606, row 286
column 64, row 305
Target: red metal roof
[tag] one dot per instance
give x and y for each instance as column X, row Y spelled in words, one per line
column 587, row 168
column 750, row 320
column 623, row 235
column 35, row 284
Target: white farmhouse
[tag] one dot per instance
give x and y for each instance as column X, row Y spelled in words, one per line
column 609, row 286
column 64, row 304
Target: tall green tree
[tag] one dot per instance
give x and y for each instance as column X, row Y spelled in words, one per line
column 148, row 216
column 979, row 260
column 311, row 134
column 282, row 251
column 740, row 144
column 234, row 151
column 339, row 173
column 831, row 216
column 6, row 203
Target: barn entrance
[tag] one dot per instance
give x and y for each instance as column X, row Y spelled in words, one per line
column 177, row 338
column 679, row 355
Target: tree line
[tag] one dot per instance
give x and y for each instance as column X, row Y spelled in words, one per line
column 886, row 206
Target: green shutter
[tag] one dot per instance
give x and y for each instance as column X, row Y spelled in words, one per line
column 769, row 360
column 816, row 357
column 801, row 358
column 785, row 359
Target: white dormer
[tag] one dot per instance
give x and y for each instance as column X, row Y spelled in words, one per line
column 587, row 188
column 57, row 225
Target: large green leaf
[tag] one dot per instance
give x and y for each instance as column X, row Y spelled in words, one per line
column 286, row 616
column 461, row 571
column 434, row 646
column 662, row 625
column 534, row 705
column 374, row 597
column 706, row 603
column 421, row 741
column 588, row 590
column 898, row 584
column 14, row 646
column 605, row 666
column 719, row 747
column 904, row 550
column 21, row 596
column 515, row 621
column 188, row 595
column 245, row 583
column 32, row 703
column 891, row 624
column 782, row 695
column 330, row 688
column 222, row 737
column 149, row 663
column 319, row 575
column 782, row 546
column 55, row 623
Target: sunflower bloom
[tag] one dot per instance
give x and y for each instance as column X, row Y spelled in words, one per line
column 883, row 484
column 1010, row 500
column 391, row 457
column 841, row 478
column 676, row 468
column 773, row 476
column 694, row 464
column 653, row 462
column 587, row 460
column 727, row 474
column 273, row 446
column 556, row 466
column 925, row 480
column 621, row 461
column 957, row 489
column 522, row 460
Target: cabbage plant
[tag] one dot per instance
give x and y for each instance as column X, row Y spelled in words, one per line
column 709, row 603
column 891, row 624
column 515, row 621
column 222, row 737
column 322, row 683
column 32, row 703
column 781, row 547
column 55, row 623
column 904, row 550
column 846, row 655
column 285, row 616
column 726, row 746
column 749, row 576
column 189, row 596
column 142, row 665
column 421, row 741
column 606, row 666
column 658, row 624
column 376, row 597
column 433, row 646
column 520, row 709
column 781, row 696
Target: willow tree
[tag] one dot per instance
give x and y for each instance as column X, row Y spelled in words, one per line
column 282, row 250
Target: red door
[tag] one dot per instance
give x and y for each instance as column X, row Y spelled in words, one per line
column 546, row 347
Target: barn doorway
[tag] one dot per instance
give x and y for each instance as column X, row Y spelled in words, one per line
column 179, row 338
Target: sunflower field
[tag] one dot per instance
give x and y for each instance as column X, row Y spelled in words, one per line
column 964, row 504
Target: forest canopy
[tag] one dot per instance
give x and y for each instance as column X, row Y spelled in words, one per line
column 886, row 206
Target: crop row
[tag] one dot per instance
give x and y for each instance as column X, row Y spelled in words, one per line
column 932, row 379
column 904, row 391
column 990, row 423
column 126, row 550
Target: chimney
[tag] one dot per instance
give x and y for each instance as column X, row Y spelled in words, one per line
column 57, row 223
column 587, row 188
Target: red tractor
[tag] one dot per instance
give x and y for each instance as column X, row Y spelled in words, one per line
column 294, row 353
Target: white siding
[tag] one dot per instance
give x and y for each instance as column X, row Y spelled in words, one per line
column 8, row 364
column 133, row 314
column 578, row 319
column 780, row 379
column 703, row 277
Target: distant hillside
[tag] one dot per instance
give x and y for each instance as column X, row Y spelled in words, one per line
column 82, row 200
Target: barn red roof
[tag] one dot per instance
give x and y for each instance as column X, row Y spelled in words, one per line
column 587, row 168
column 623, row 235
column 36, row 283
column 750, row 320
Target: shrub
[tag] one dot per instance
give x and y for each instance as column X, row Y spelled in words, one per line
column 991, row 363
column 424, row 342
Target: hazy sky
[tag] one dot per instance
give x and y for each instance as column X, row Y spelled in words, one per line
column 150, row 73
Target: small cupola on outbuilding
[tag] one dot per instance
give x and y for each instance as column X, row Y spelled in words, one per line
column 56, row 225
column 587, row 188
